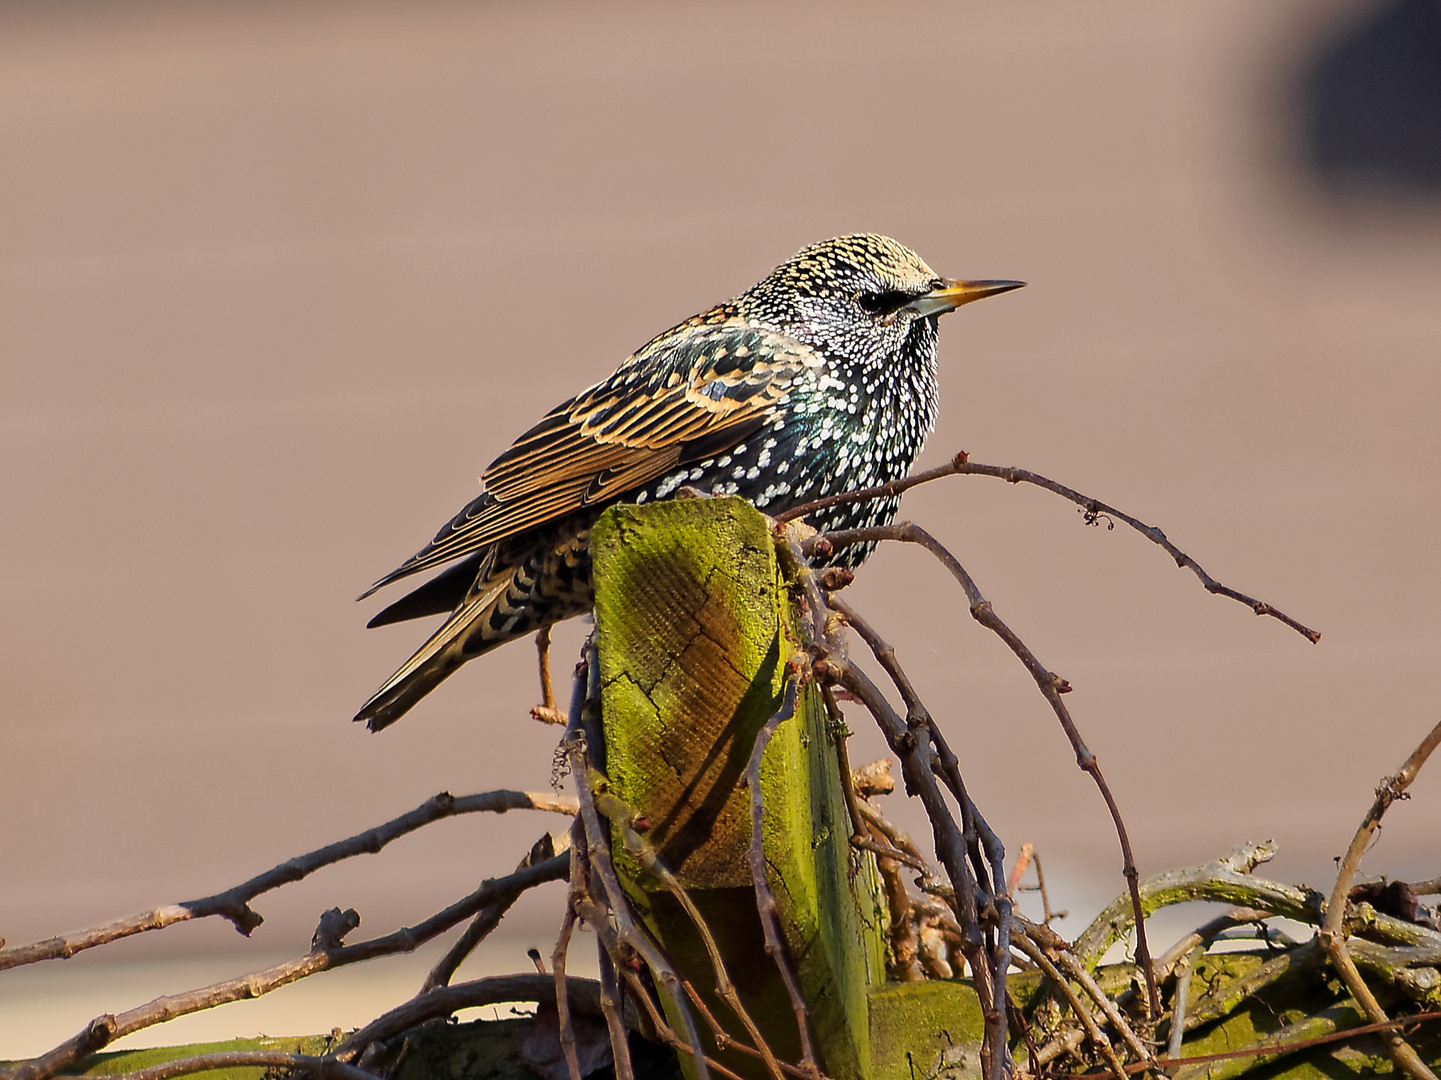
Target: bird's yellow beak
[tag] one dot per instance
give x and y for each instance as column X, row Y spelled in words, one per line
column 955, row 293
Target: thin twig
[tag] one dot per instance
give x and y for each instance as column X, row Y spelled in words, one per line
column 843, row 760
column 950, row 841
column 765, row 899
column 234, row 904
column 612, row 1006
column 725, row 1041
column 1051, row 686
column 1018, row 870
column 897, row 838
column 327, row 954
column 485, row 920
column 1077, row 971
column 1427, row 888
column 1045, row 897
column 1271, row 1046
column 629, row 932
column 975, row 833
column 1332, row 935
column 562, row 1002
column 1182, row 999
column 961, row 465
column 1204, row 935
column 902, row 934
column 623, row 817
column 1225, row 998
column 1093, row 1031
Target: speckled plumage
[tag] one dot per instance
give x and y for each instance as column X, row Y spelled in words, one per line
column 819, row 379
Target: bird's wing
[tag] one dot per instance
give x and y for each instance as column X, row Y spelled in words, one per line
column 687, row 396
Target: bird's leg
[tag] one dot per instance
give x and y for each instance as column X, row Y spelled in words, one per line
column 545, row 712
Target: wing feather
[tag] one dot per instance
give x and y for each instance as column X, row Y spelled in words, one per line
column 690, row 394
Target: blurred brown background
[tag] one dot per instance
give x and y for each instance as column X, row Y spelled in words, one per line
column 278, row 280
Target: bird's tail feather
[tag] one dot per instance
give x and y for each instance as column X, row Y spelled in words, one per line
column 433, row 662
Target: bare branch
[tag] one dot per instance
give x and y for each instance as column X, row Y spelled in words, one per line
column 1204, row 935
column 628, row 930
column 328, row 953
column 1077, row 970
column 1093, row 1031
column 1332, row 935
column 1227, row 880
column 583, row 996
column 623, row 817
column 612, row 1006
column 765, row 899
column 562, row 997
column 485, row 920
column 234, row 904
column 961, row 465
column 1183, row 993
column 1273, row 1047
column 1051, row 686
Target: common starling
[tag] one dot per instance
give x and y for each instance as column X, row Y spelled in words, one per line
column 818, row 380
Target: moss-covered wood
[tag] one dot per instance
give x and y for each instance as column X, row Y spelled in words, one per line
column 694, row 627
column 695, row 630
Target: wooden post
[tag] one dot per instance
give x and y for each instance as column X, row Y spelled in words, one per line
column 695, row 627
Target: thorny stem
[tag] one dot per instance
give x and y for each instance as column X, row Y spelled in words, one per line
column 1051, row 686
column 961, row 465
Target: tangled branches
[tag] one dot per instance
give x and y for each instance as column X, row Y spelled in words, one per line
column 948, row 911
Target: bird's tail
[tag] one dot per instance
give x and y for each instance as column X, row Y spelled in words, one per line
column 462, row 637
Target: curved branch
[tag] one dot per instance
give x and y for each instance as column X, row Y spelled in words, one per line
column 583, row 996
column 1226, row 880
column 1052, row 686
column 1332, row 935
column 961, row 465
column 234, row 903
column 328, row 953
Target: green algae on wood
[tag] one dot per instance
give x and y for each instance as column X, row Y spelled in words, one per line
column 695, row 628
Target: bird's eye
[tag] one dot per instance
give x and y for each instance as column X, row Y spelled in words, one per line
column 883, row 303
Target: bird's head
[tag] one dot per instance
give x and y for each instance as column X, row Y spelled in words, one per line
column 863, row 298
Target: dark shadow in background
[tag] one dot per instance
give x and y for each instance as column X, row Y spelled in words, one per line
column 1370, row 105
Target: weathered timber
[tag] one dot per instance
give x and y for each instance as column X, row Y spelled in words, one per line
column 694, row 631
